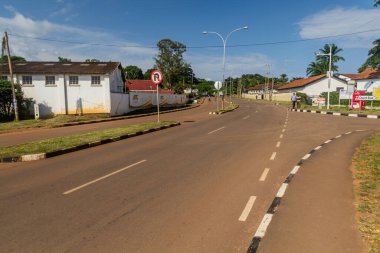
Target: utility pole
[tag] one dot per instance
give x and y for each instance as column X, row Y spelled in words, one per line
column 11, row 74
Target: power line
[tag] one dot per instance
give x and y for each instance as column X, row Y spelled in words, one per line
column 191, row 47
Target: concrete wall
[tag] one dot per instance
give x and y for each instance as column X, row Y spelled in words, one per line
column 120, row 104
column 316, row 88
column 368, row 84
column 275, row 96
column 140, row 100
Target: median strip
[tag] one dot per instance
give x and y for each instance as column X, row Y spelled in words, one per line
column 37, row 150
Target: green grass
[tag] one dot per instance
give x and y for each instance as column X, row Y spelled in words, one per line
column 367, row 191
column 54, row 144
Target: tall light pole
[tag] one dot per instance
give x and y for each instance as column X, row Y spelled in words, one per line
column 329, row 74
column 224, row 48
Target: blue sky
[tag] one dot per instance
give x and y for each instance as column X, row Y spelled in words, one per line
column 141, row 24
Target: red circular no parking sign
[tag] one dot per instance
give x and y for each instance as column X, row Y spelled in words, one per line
column 156, row 77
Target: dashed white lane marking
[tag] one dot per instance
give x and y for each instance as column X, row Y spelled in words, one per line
column 317, row 148
column 273, row 156
column 278, row 144
column 247, row 209
column 246, row 117
column 360, row 130
column 338, row 136
column 101, row 178
column 264, row 175
column 283, row 130
column 306, row 157
column 264, row 225
column 327, row 141
column 281, row 136
column 216, row 130
column 348, row 132
column 282, row 190
column 295, row 169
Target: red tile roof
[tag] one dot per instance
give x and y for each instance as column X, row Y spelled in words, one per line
column 144, row 86
column 301, row 82
column 369, row 73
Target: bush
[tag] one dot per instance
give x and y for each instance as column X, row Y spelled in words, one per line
column 303, row 97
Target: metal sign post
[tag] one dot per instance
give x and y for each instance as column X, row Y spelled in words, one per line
column 218, row 86
column 156, row 77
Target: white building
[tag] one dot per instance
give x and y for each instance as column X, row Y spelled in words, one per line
column 366, row 80
column 314, row 86
column 72, row 87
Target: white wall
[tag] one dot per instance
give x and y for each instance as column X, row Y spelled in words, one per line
column 368, row 84
column 119, row 104
column 316, row 88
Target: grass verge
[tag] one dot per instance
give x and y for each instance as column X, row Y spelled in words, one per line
column 367, row 191
column 59, row 143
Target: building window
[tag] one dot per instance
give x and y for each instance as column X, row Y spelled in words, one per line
column 73, row 80
column 50, row 80
column 26, row 80
column 4, row 78
column 95, row 80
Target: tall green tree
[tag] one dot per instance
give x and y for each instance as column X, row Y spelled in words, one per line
column 321, row 63
column 171, row 62
column 373, row 60
column 133, row 73
column 6, row 101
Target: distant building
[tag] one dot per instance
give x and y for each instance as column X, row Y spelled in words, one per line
column 366, row 80
column 262, row 88
column 71, row 87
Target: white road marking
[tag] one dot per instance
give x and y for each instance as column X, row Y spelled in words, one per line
column 278, row 144
column 273, row 156
column 216, row 130
column 101, row 178
column 295, row 169
column 338, row 136
column 317, row 148
column 282, row 190
column 281, row 136
column 247, row 209
column 264, row 225
column 327, row 141
column 264, row 175
column 348, row 133
column 246, row 117
column 283, row 130
column 306, row 157
column 352, row 115
column 361, row 130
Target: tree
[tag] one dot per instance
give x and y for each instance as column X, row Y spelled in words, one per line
column 4, row 58
column 321, row 63
column 92, row 60
column 133, row 73
column 373, row 60
column 377, row 3
column 170, row 61
column 61, row 59
column 6, row 101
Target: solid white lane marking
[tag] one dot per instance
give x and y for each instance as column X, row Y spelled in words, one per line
column 306, row 157
column 348, row 132
column 273, row 156
column 338, row 136
column 282, row 190
column 278, row 144
column 281, row 136
column 264, row 175
column 327, row 141
column 101, row 178
column 215, row 130
column 295, row 169
column 317, row 148
column 264, row 225
column 283, row 130
column 247, row 209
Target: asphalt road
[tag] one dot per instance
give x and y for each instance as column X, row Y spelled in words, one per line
column 200, row 187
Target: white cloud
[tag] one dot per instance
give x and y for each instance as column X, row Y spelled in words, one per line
column 343, row 21
column 45, row 50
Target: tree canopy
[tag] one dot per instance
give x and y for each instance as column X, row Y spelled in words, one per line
column 4, row 58
column 133, row 72
column 321, row 63
column 62, row 59
column 373, row 60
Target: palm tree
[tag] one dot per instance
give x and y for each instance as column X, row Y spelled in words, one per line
column 373, row 59
column 321, row 63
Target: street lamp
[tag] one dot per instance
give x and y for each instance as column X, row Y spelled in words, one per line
column 329, row 74
column 224, row 48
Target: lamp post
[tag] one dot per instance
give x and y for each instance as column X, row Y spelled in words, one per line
column 329, row 74
column 224, row 48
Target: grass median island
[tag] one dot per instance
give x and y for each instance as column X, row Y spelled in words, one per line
column 59, row 143
column 367, row 190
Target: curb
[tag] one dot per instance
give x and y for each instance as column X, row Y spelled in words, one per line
column 260, row 232
column 35, row 157
column 369, row 116
column 221, row 112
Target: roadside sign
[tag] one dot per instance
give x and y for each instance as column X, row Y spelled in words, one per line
column 344, row 94
column 376, row 93
column 366, row 98
column 156, row 77
column 218, row 85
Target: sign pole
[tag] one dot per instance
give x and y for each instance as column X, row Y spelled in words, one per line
column 156, row 77
column 158, row 107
